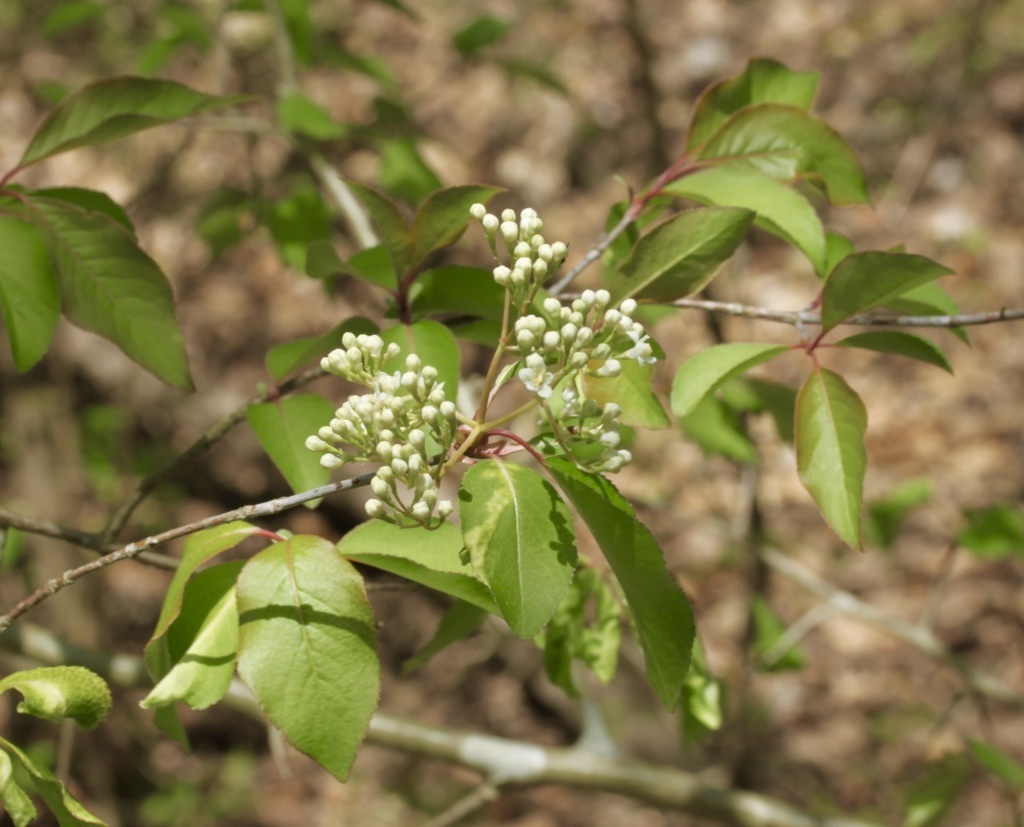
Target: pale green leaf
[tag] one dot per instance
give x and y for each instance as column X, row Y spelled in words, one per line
column 59, row 692
column 16, row 802
column 64, row 806
column 283, row 426
column 709, row 369
column 830, row 425
column 520, row 540
column 28, row 291
column 632, row 390
column 434, row 344
column 306, row 648
column 661, row 611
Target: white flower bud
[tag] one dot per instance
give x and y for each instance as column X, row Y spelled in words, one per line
column 525, row 339
column 444, row 508
column 314, row 443
column 558, row 250
column 330, row 461
column 478, row 211
column 552, row 340
column 429, row 374
column 436, row 397
column 392, row 351
column 508, row 215
column 610, row 438
column 421, row 512
column 417, row 438
column 490, row 224
column 415, row 464
column 522, row 250
column 400, row 467
column 413, row 362
column 374, row 508
column 628, row 307
column 447, row 409
column 386, row 474
column 348, row 339
column 612, row 317
column 518, row 278
column 584, row 336
column 569, row 332
column 509, row 231
column 552, row 305
column 326, row 433
column 429, row 414
column 545, row 253
column 540, row 269
column 601, row 298
column 380, row 488
column 578, row 360
column 610, row 411
column 384, row 451
column 502, row 276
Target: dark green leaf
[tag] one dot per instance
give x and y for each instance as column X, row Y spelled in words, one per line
column 112, row 108
column 864, row 281
column 110, row 286
column 282, row 428
column 431, row 558
column 59, row 692
column 762, row 81
column 901, row 344
column 712, row 367
column 994, row 533
column 469, row 291
column 443, row 217
column 787, row 143
column 680, row 255
column 90, row 201
column 482, row 31
column 520, row 540
column 306, row 648
column 830, row 456
column 780, row 210
column 290, row 356
column 661, row 611
column 28, row 291
column 393, row 229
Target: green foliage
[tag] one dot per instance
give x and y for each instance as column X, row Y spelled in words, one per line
column 995, row 532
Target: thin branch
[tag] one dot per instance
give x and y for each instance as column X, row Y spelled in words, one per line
column 132, row 550
column 804, row 317
column 500, row 760
column 919, row 637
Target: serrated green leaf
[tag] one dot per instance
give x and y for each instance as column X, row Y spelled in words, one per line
column 994, row 533
column 90, row 201
column 929, row 798
column 830, row 456
column 109, row 286
column 864, row 281
column 632, row 390
column 443, row 217
column 762, row 81
column 661, row 611
column 997, row 761
column 64, row 806
column 59, row 692
column 481, row 31
column 28, row 291
column 520, row 540
column 297, row 113
column 431, row 558
column 469, row 291
column 458, row 623
column 433, row 343
column 681, row 254
column 403, row 172
column 112, row 108
column 717, row 430
column 306, row 648
column 282, row 427
column 780, row 210
column 284, row 358
column 787, row 143
column 901, row 344
column 392, row 226
column 712, row 367
column 201, row 642
column 15, row 801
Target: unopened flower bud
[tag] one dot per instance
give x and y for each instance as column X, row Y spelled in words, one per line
column 444, row 508
column 552, row 340
column 380, row 488
column 628, row 307
column 330, row 461
column 421, row 512
column 374, row 508
column 478, row 211
column 552, row 305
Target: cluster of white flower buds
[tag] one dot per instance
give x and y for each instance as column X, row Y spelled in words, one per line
column 404, row 420
column 591, row 433
column 530, row 258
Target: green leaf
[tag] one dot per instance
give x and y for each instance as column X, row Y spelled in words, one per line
column 929, row 798
column 90, row 201
column 225, row 218
column 282, row 427
column 482, row 31
column 901, row 344
column 997, row 761
column 15, row 801
column 59, row 692
column 830, row 456
column 458, row 623
column 390, row 223
column 632, row 390
column 536, row 71
column 929, row 300
column 586, row 627
column 769, row 630
column 837, row 247
column 430, row 558
column 469, row 291
column 762, row 81
column 443, row 217
column 434, row 344
column 298, row 219
column 779, row 401
column 306, row 648
column 520, row 540
column 65, row 808
column 994, row 533
column 712, row 367
column 297, row 113
column 787, row 143
column 201, row 642
column 864, row 281
column 404, row 173
column 372, row 265
column 112, row 108
column 109, row 286
column 661, row 611
column 284, row 358
column 70, row 16
column 780, row 209
column 885, row 516
column 681, row 254
column 716, row 428
column 28, row 291
column 702, row 700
